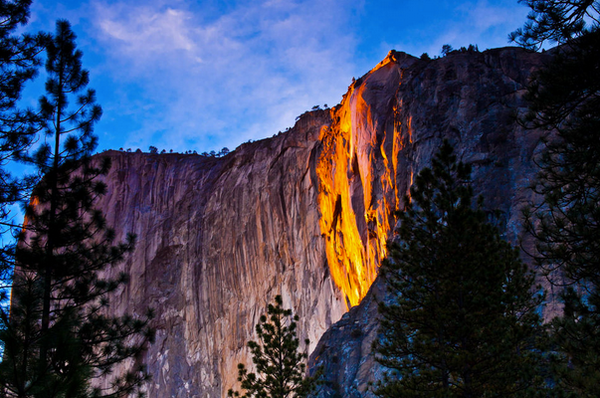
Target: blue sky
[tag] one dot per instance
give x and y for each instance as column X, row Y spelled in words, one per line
column 202, row 75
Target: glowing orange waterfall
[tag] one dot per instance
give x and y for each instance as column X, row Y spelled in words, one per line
column 357, row 193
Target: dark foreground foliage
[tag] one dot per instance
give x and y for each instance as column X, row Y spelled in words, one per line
column 461, row 320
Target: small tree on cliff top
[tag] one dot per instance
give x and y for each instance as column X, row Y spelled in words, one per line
column 280, row 367
column 461, row 320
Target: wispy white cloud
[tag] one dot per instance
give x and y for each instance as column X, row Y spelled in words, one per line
column 149, row 30
column 244, row 75
column 485, row 15
column 206, row 74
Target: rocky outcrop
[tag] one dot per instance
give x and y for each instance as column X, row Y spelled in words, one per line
column 306, row 214
column 470, row 99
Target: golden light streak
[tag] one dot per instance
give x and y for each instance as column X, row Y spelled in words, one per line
column 410, row 140
column 354, row 248
column 33, row 202
column 408, row 190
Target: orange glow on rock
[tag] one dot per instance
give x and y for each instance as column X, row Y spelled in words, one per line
column 410, row 131
column 408, row 190
column 355, row 185
column 33, row 202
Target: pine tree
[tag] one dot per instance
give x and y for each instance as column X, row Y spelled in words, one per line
column 19, row 61
column 279, row 365
column 565, row 103
column 556, row 21
column 460, row 319
column 59, row 337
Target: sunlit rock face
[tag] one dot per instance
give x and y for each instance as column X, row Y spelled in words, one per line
column 217, row 240
column 357, row 166
column 306, row 214
column 470, row 99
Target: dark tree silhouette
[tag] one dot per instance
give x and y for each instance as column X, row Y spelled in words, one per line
column 59, row 336
column 556, row 21
column 565, row 102
column 19, row 61
column 280, row 367
column 460, row 320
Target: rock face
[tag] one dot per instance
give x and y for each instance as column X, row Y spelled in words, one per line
column 470, row 99
column 306, row 214
column 217, row 240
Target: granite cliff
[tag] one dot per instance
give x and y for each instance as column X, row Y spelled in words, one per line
column 306, row 214
column 472, row 100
